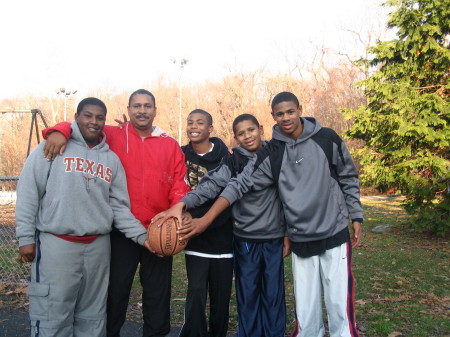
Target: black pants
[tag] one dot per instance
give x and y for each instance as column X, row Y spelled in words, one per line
column 215, row 275
column 156, row 277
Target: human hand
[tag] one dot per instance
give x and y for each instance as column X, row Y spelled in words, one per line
column 147, row 245
column 118, row 121
column 193, row 228
column 27, row 253
column 55, row 144
column 186, row 218
column 286, row 247
column 174, row 211
column 357, row 232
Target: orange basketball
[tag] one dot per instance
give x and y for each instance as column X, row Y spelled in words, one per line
column 164, row 240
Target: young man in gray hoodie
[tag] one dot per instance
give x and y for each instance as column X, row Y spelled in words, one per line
column 318, row 186
column 64, row 213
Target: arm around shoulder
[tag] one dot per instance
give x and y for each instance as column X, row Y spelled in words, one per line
column 57, row 137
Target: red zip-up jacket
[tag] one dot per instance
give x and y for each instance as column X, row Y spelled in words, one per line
column 154, row 166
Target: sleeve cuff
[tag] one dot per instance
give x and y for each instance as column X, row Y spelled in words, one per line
column 141, row 239
column 26, row 241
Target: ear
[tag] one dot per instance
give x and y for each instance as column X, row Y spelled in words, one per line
column 261, row 130
column 273, row 116
column 300, row 110
column 211, row 129
column 75, row 116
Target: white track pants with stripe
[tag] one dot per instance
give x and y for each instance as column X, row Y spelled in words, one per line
column 331, row 273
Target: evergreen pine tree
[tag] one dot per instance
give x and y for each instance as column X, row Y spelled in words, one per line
column 406, row 122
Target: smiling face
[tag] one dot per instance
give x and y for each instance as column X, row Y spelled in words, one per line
column 198, row 128
column 287, row 115
column 142, row 112
column 248, row 135
column 91, row 121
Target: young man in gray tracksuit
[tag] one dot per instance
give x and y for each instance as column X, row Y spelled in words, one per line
column 319, row 188
column 64, row 213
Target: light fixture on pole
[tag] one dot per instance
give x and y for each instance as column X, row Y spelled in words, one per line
column 65, row 94
column 181, row 63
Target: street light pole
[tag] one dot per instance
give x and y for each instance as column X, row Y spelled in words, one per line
column 181, row 63
column 65, row 95
column 179, row 117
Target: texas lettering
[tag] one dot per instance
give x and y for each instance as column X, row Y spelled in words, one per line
column 75, row 164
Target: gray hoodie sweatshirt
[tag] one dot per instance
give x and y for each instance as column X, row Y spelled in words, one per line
column 80, row 193
column 316, row 179
column 258, row 215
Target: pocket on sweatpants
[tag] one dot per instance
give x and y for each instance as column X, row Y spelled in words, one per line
column 38, row 295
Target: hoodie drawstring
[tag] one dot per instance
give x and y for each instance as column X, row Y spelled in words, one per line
column 87, row 178
column 126, row 132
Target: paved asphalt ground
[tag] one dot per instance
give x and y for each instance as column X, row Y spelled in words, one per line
column 14, row 323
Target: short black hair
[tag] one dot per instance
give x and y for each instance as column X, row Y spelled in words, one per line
column 91, row 101
column 141, row 92
column 285, row 96
column 208, row 116
column 244, row 117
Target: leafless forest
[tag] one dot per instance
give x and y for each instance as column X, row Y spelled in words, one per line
column 324, row 87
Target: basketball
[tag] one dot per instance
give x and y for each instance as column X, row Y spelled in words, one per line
column 164, row 240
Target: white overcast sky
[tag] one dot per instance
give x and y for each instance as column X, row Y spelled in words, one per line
column 114, row 44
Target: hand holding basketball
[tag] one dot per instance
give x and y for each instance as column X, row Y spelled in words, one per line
column 163, row 240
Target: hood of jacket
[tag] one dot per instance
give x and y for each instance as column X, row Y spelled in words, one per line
column 214, row 156
column 245, row 153
column 129, row 129
column 78, row 138
column 310, row 127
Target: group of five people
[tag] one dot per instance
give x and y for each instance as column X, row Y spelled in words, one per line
column 295, row 192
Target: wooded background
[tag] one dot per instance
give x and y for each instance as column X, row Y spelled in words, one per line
column 324, row 87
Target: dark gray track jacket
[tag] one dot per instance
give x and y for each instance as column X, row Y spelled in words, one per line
column 317, row 181
column 258, row 215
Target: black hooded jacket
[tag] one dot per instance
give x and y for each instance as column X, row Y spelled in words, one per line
column 217, row 239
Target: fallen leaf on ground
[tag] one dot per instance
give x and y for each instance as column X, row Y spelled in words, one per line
column 395, row 334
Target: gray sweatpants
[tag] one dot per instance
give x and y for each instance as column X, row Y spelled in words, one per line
column 68, row 287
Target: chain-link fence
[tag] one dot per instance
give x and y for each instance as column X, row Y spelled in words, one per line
column 11, row 270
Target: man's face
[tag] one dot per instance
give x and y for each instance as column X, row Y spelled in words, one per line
column 198, row 129
column 91, row 121
column 248, row 135
column 287, row 116
column 142, row 112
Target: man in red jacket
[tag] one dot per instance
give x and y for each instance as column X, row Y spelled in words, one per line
column 155, row 170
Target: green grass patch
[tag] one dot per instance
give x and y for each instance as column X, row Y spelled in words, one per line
column 402, row 276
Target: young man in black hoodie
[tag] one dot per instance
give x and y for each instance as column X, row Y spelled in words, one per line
column 209, row 258
column 259, row 241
